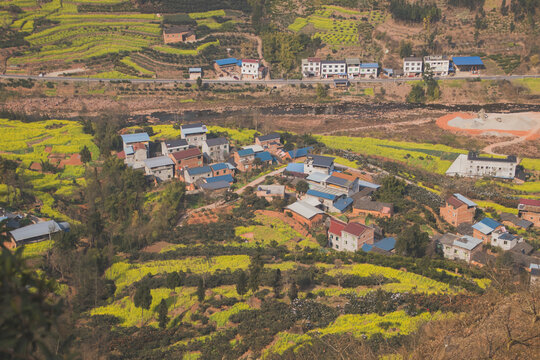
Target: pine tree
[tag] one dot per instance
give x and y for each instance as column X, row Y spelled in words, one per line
column 142, row 299
column 241, row 283
column 86, row 155
column 276, row 283
column 293, row 291
column 200, row 290
column 162, row 314
column 255, row 269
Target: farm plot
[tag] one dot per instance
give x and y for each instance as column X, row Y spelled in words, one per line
column 176, row 51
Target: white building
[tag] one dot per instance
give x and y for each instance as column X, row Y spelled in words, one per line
column 318, row 163
column 217, row 149
column 438, row 64
column 162, row 168
column 172, row 146
column 311, row 67
column 333, row 68
column 250, row 69
column 460, row 247
column 353, row 67
column 195, row 134
column 504, row 240
column 473, row 165
column 412, row 66
column 369, row 70
column 349, row 237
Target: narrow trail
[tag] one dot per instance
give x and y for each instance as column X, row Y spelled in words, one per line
column 531, row 135
column 387, row 126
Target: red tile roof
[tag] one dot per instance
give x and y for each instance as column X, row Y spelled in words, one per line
column 336, row 226
column 250, row 61
column 355, row 228
column 530, row 202
column 455, row 202
column 186, row 154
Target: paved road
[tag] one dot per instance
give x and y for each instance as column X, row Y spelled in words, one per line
column 262, row 82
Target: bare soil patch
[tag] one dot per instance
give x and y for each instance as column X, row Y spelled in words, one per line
column 157, row 247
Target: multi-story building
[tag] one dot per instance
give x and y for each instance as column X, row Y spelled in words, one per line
column 474, row 165
column 458, row 210
column 311, row 67
column 370, row 70
column 217, row 149
column 161, row 167
column 244, row 159
column 412, row 66
column 331, row 68
column 194, row 134
column 221, row 169
column 250, row 69
column 270, row 142
column 353, row 67
column 529, row 209
column 135, row 149
column 349, row 237
column 171, row 146
column 438, row 64
column 460, row 247
column 191, row 175
column 318, row 163
column 504, row 240
column 484, row 228
column 191, row 157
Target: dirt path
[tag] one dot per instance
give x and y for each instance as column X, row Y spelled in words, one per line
column 531, row 135
column 259, row 180
column 390, row 126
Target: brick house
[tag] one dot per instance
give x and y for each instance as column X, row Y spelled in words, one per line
column 529, row 210
column 296, row 154
column 244, row 159
column 483, row 229
column 349, row 237
column 270, row 142
column 305, row 213
column 345, row 183
column 178, row 34
column 375, row 208
column 220, row 169
column 186, row 158
column 458, row 210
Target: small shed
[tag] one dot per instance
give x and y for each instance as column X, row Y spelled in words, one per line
column 471, row 64
column 194, row 73
column 341, row 83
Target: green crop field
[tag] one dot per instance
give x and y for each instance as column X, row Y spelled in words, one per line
column 176, row 51
column 127, row 60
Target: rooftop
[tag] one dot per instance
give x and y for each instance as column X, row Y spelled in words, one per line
column 412, row 58
column 486, row 225
column 320, row 160
column 199, row 170
column 317, row 177
column 219, row 166
column 195, row 128
column 228, row 178
column 295, row 167
column 195, row 70
column 268, row 137
column 334, row 180
column 264, row 156
column 215, row 185
column 217, row 141
column 473, row 156
column 176, row 143
column 343, row 203
column 321, row 194
column 134, row 138
column 272, row 189
column 467, row 242
column 467, row 60
column 304, row 209
column 387, row 244
column 369, row 205
column 228, row 61
column 369, row 65
column 465, row 200
column 336, row 226
column 352, row 61
column 186, row 154
column 158, row 162
column 355, row 228
column 175, row 29
column 245, row 152
column 37, row 230
column 296, row 153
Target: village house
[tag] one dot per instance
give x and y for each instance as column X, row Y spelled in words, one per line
column 331, row 68
column 504, row 240
column 215, row 188
column 484, row 228
column 271, row 192
column 171, row 146
column 529, row 210
column 191, row 157
column 250, row 69
column 341, row 83
column 473, row 165
column 191, row 175
column 458, row 210
column 349, row 237
column 345, row 183
column 264, row 157
column 270, row 142
column 295, row 169
column 328, row 200
column 216, row 149
column 222, row 169
column 319, row 163
column 412, row 66
column 460, row 247
column 226, row 178
column 244, row 159
column 178, row 34
column 195, row 73
column 369, row 70
column 135, row 149
column 374, row 208
column 353, row 67
column 296, row 154
column 161, row 167
column 229, row 64
column 438, row 64
column 305, row 213
column 34, row 233
column 513, row 220
column 195, row 134
column 384, row 246
column 311, row 67
column 467, row 64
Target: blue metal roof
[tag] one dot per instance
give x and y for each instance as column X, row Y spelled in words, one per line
column 215, row 185
column 199, row 170
column 387, row 244
column 228, row 61
column 467, row 242
column 295, row 167
column 321, row 194
column 158, row 162
column 369, row 65
column 486, row 226
column 368, row 184
column 219, row 166
column 128, row 150
column 195, row 70
column 300, row 152
column 463, row 199
column 467, row 60
column 228, row 178
column 245, row 152
column 343, row 203
column 367, row 247
column 134, row 138
column 264, row 156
